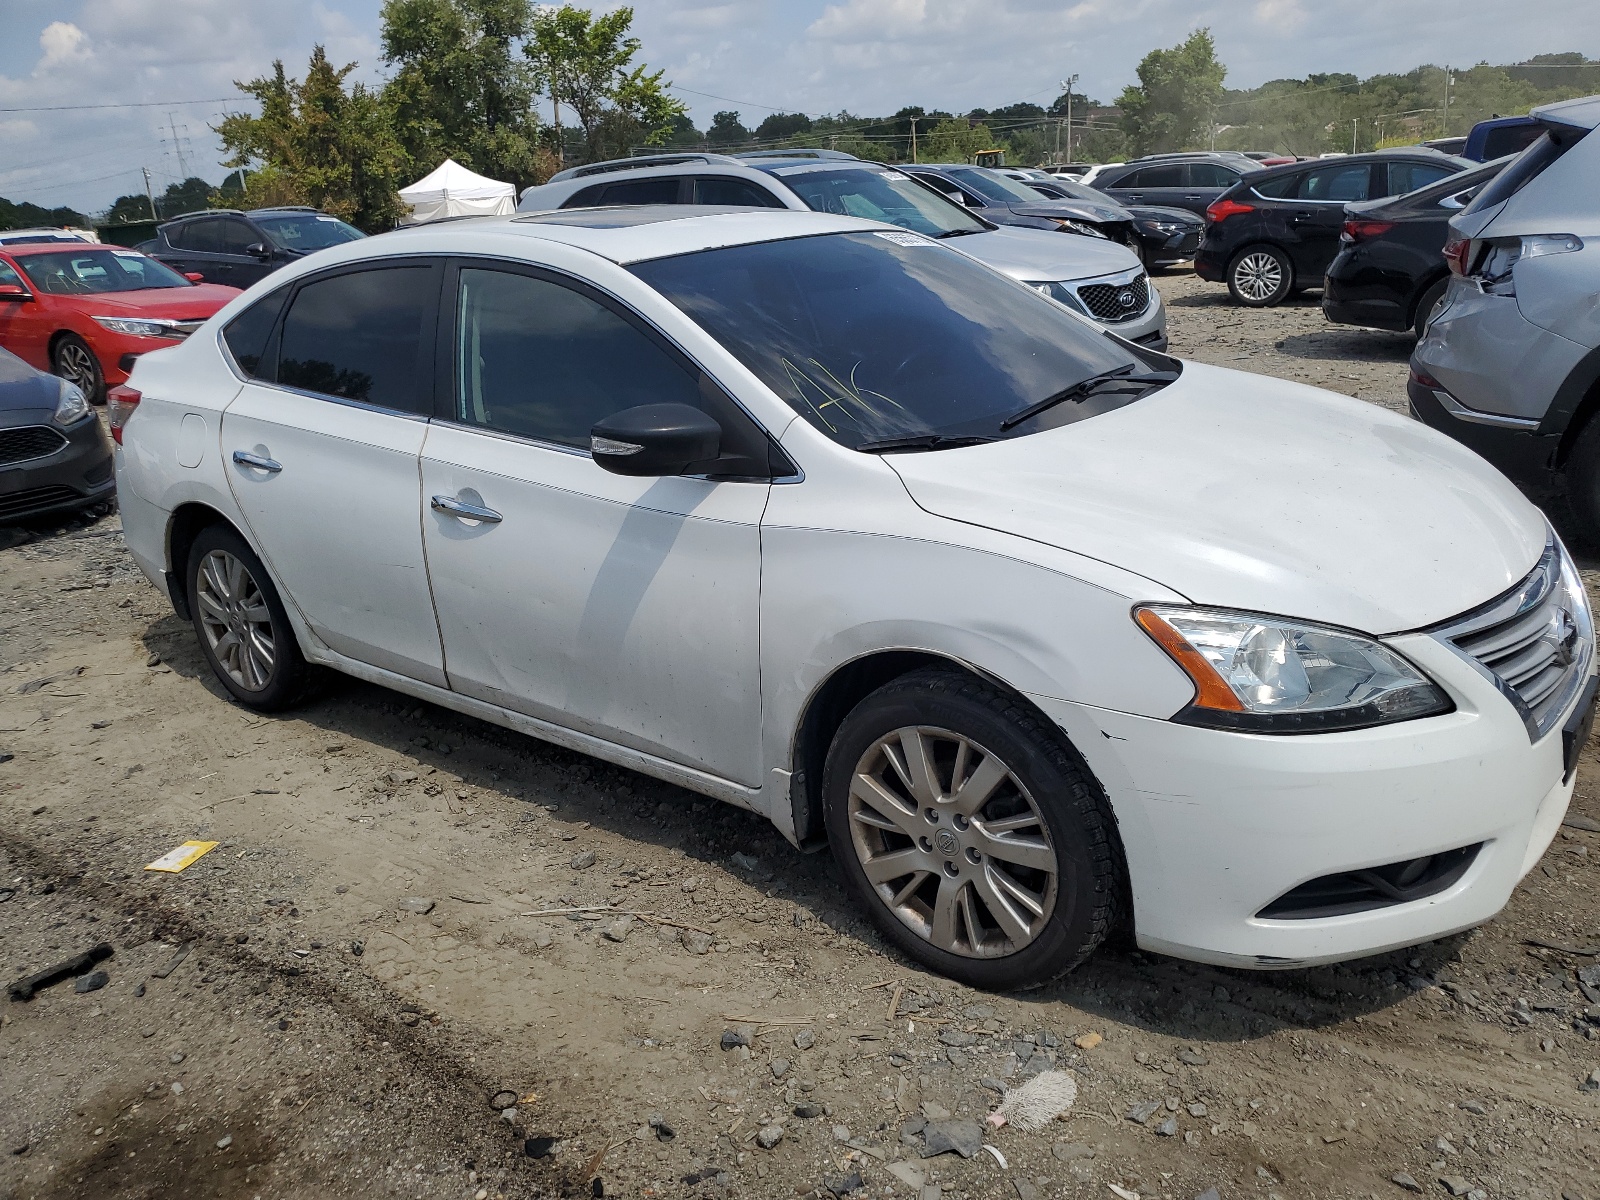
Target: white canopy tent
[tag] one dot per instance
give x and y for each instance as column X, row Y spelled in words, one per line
column 453, row 191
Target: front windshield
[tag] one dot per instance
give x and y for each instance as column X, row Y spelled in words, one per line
column 879, row 195
column 882, row 334
column 992, row 185
column 89, row 272
column 306, row 231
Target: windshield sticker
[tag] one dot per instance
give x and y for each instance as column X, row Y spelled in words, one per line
column 894, row 175
column 127, row 254
column 903, row 239
column 329, row 220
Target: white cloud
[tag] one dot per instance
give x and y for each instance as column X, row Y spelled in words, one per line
column 62, row 42
column 1284, row 15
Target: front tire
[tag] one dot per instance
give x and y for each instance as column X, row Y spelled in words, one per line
column 975, row 836
column 1260, row 276
column 72, row 360
column 244, row 632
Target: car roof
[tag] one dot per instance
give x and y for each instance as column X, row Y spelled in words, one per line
column 1397, row 154
column 623, row 234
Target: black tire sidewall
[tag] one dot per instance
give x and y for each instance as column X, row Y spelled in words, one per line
column 1425, row 306
column 1284, row 264
column 289, row 670
column 1088, row 884
column 97, row 394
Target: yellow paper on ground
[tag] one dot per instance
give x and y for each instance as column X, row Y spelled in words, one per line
column 182, row 856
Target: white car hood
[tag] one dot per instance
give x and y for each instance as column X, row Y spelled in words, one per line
column 1045, row 256
column 1241, row 491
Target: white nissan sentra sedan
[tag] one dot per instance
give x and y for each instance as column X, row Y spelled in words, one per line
column 1038, row 630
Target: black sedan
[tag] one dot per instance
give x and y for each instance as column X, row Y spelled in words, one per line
column 1007, row 201
column 1389, row 273
column 54, row 454
column 1166, row 236
column 1275, row 232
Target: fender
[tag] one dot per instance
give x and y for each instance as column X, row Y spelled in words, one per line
column 1574, row 404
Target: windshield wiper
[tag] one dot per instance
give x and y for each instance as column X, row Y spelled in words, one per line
column 921, row 441
column 1088, row 387
column 950, row 233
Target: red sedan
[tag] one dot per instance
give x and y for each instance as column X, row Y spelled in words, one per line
column 85, row 312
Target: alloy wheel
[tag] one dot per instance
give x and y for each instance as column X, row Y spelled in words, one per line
column 1258, row 276
column 952, row 843
column 235, row 619
column 75, row 364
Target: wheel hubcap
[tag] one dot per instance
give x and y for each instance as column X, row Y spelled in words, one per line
column 76, row 367
column 952, row 842
column 1258, row 276
column 236, row 620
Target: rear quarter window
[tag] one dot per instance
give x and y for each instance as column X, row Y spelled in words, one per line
column 248, row 334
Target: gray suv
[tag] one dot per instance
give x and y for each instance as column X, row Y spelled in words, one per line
column 1511, row 362
column 1094, row 277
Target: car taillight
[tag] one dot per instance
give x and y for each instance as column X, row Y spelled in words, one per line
column 1221, row 210
column 1356, row 230
column 120, row 403
column 1457, row 251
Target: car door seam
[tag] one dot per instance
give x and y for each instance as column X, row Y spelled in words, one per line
column 427, row 566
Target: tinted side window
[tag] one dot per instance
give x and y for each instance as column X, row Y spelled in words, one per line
column 641, row 191
column 1154, row 177
column 1409, row 176
column 235, row 235
column 1337, row 183
column 1211, row 175
column 203, row 237
column 735, row 192
column 248, row 333
column 585, row 198
column 540, row 360
column 358, row 336
column 1509, row 139
column 1280, row 188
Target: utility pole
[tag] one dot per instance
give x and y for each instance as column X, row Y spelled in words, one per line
column 1448, row 80
column 150, row 195
column 913, row 139
column 1353, row 121
column 1066, row 86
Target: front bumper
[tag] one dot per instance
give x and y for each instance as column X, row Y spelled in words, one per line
column 1216, row 826
column 74, row 476
column 1148, row 328
column 1169, row 250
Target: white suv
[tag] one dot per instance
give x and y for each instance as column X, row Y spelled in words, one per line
column 1101, row 279
column 1038, row 630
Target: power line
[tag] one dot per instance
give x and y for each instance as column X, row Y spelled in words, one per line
column 131, row 104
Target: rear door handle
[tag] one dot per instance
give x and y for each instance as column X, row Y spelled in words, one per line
column 470, row 512
column 245, row 459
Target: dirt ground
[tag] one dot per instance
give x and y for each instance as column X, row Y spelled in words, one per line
column 432, row 958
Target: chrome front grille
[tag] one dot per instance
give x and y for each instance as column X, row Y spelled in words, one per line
column 1113, row 302
column 1535, row 643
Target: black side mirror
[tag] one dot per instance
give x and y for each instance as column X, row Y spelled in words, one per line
column 258, row 250
column 655, row 439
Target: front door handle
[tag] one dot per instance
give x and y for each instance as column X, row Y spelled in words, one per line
column 470, row 512
column 261, row 463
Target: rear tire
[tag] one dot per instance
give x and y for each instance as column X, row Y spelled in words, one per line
column 1425, row 306
column 1009, row 887
column 243, row 629
column 1260, row 276
column 72, row 360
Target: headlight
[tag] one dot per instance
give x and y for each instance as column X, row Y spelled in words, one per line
column 1083, row 227
column 1060, row 293
column 1266, row 674
column 1168, row 227
column 140, row 327
column 72, row 406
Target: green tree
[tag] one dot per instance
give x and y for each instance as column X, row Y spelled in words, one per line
column 583, row 62
column 22, row 215
column 125, row 210
column 461, row 88
column 191, row 195
column 727, row 130
column 781, row 127
column 317, row 143
column 1173, row 105
column 953, row 139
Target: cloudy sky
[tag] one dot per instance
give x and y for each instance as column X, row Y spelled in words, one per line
column 164, row 69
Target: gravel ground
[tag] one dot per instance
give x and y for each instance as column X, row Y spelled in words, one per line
column 432, row 958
